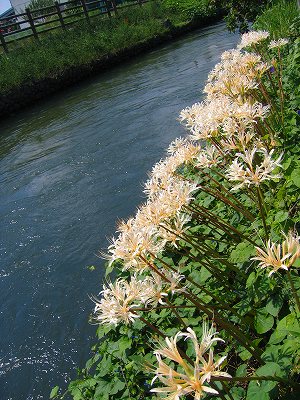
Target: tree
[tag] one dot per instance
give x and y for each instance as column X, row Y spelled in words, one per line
column 241, row 12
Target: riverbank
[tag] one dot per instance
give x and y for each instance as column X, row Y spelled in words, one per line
column 34, row 81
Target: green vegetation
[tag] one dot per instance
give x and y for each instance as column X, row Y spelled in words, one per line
column 240, row 13
column 278, row 19
column 86, row 43
column 36, row 4
column 218, row 242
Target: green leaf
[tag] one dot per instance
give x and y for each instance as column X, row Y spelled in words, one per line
column 251, row 279
column 263, row 321
column 204, row 274
column 295, row 176
column 242, row 370
column 254, row 392
column 54, row 392
column 245, row 355
column 117, row 387
column 274, row 305
column 237, row 393
column 104, row 387
column 242, row 252
column 281, row 216
column 269, row 369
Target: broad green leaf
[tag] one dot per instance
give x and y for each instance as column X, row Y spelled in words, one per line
column 104, row 387
column 295, row 176
column 254, row 392
column 281, row 216
column 274, row 305
column 237, row 393
column 204, row 274
column 251, row 279
column 245, row 355
column 241, row 370
column 269, row 369
column 54, row 392
column 117, row 387
column 263, row 321
column 242, row 252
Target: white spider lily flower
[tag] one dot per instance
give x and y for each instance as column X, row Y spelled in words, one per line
column 253, row 37
column 275, row 44
column 171, row 231
column 252, row 167
column 186, row 377
column 118, row 302
column 279, row 255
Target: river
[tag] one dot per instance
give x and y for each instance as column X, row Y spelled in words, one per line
column 70, row 167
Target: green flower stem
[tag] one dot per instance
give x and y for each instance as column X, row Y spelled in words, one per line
column 281, row 91
column 296, row 297
column 161, row 308
column 215, row 271
column 228, row 326
column 265, row 94
column 218, row 147
column 240, row 206
column 224, row 305
column 261, row 210
column 259, row 126
column 226, row 390
column 256, row 378
column 151, row 326
column 207, row 249
column 218, row 195
column 205, row 217
column 219, row 222
column 177, row 314
column 220, row 395
column 272, row 82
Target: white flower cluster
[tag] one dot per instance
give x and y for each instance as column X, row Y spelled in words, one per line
column 279, row 255
column 231, row 122
column 121, row 300
column 188, row 379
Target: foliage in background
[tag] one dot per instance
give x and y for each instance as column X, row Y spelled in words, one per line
column 35, row 4
column 188, row 10
column 278, row 18
column 240, row 12
column 222, row 274
column 85, row 43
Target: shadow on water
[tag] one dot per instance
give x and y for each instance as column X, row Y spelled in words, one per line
column 70, row 167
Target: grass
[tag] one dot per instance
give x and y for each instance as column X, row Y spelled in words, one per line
column 84, row 43
column 278, row 19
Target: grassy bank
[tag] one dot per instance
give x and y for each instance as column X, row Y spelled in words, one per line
column 86, row 43
column 216, row 247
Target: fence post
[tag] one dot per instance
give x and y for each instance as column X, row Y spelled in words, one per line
column 60, row 17
column 85, row 10
column 3, row 42
column 107, row 8
column 31, row 21
column 114, row 6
